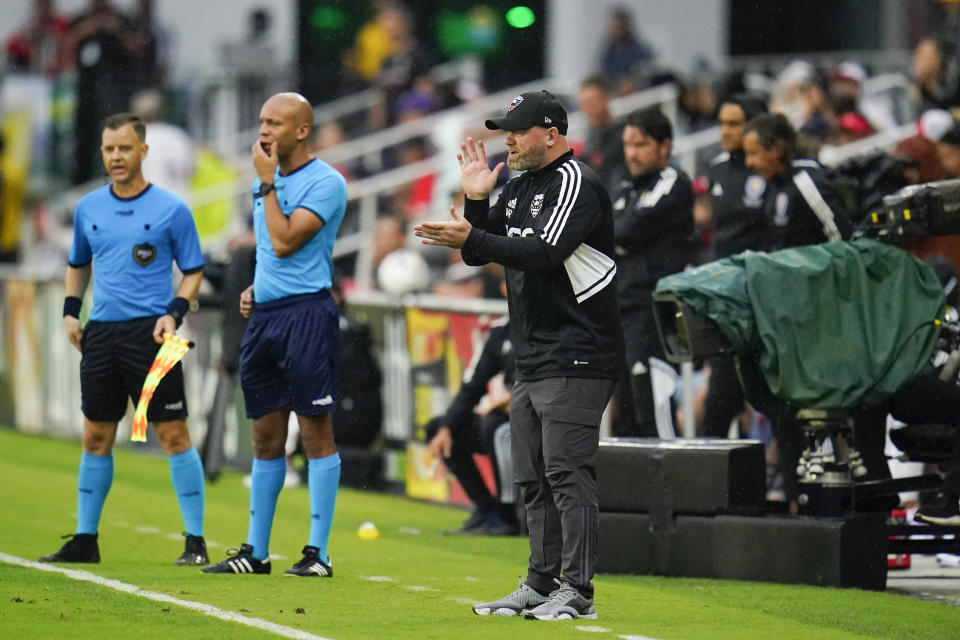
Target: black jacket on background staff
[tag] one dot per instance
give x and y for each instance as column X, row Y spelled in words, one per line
column 654, row 236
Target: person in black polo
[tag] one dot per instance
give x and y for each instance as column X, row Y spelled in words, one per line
column 739, row 223
column 552, row 229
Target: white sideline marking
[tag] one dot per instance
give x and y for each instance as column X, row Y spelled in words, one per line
column 591, row 628
column 206, row 609
column 146, row 529
column 463, row 600
column 628, row 637
column 378, row 578
column 417, row 587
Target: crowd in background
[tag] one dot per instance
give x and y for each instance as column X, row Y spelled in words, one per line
column 121, row 61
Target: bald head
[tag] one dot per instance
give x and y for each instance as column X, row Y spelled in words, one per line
column 286, row 120
column 293, row 104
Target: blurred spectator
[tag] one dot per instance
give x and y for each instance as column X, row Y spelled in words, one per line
column 413, row 199
column 407, row 62
column 419, row 101
column 37, row 47
column 371, row 47
column 171, row 154
column 801, row 98
column 156, row 42
column 253, row 61
column 851, row 126
column 603, row 147
column 920, row 159
column 390, row 234
column 623, row 52
column 112, row 58
column 848, row 79
column 327, row 136
column 948, row 149
column 698, row 102
column 930, row 88
column 933, row 123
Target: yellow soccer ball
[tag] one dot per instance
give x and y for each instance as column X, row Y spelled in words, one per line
column 368, row 531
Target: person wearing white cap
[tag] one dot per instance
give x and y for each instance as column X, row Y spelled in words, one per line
column 847, row 80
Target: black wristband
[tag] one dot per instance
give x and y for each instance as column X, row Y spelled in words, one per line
column 177, row 309
column 71, row 306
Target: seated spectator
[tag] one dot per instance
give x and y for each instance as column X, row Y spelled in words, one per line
column 851, row 126
column 462, row 432
column 948, row 148
column 848, row 79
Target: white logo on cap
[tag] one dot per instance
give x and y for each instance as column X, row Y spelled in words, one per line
column 547, row 120
column 516, row 103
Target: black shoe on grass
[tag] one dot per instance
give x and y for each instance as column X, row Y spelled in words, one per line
column 82, row 547
column 311, row 566
column 240, row 561
column 194, row 552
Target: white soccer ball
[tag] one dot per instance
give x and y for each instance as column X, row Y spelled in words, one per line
column 403, row 271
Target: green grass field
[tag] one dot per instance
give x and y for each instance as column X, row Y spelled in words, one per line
column 409, row 583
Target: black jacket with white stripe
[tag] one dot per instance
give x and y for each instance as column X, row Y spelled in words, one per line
column 736, row 198
column 802, row 208
column 654, row 231
column 553, row 231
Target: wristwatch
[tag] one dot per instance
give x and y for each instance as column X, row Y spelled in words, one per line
column 265, row 188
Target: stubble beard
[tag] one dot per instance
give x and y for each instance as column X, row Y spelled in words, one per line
column 534, row 158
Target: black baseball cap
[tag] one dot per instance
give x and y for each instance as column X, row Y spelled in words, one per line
column 532, row 109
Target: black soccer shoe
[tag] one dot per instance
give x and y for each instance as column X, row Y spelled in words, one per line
column 240, row 561
column 82, row 547
column 942, row 509
column 194, row 552
column 311, row 566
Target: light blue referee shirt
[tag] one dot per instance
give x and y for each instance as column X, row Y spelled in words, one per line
column 317, row 187
column 133, row 243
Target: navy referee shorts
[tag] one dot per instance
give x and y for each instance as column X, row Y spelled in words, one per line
column 288, row 357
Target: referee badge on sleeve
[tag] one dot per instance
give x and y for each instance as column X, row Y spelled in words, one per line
column 144, row 253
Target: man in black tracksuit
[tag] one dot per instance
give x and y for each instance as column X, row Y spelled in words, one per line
column 801, row 208
column 739, row 223
column 460, row 432
column 801, row 205
column 654, row 231
column 552, row 229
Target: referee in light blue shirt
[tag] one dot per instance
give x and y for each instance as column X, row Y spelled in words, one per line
column 128, row 234
column 289, row 351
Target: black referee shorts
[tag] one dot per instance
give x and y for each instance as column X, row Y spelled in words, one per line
column 116, row 359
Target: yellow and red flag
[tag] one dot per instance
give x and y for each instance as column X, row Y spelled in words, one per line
column 171, row 352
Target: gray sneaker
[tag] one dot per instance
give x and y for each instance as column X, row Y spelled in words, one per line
column 512, row 605
column 566, row 603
